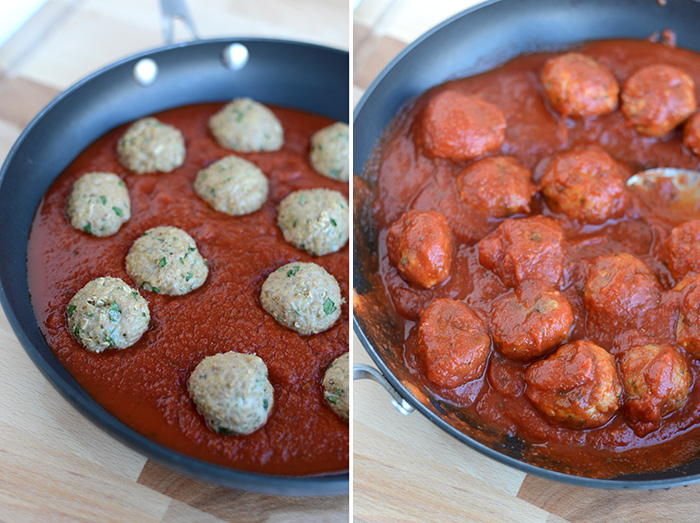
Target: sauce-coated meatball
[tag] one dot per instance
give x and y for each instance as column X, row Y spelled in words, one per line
column 688, row 325
column 527, row 249
column 691, row 133
column 107, row 314
column 150, row 145
column 577, row 386
column 619, row 289
column 165, row 260
column 683, row 249
column 453, row 343
column 657, row 98
column 303, row 297
column 247, row 126
column 315, row 220
column 529, row 323
column 585, row 185
column 232, row 392
column 99, row 204
column 656, row 379
column 577, row 85
column 460, row 127
column 330, row 151
column 421, row 247
column 497, row 186
column 336, row 386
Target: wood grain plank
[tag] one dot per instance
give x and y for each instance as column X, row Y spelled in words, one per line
column 28, row 98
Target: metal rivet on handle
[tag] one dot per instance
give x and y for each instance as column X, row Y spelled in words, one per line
column 235, row 56
column 145, row 72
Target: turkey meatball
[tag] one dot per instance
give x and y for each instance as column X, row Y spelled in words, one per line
column 421, row 247
column 688, row 325
column 691, row 133
column 99, row 204
column 578, row 386
column 247, row 126
column 452, row 342
column 330, row 151
column 336, row 386
column 150, row 146
column 683, row 249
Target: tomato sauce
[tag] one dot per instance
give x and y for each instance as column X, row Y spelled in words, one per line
column 401, row 176
column 145, row 385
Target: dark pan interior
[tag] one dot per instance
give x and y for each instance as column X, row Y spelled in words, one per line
column 472, row 42
column 303, row 76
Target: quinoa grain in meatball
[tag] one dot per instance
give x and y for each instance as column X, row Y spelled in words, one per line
column 165, row 260
column 461, row 127
column 452, row 342
column 336, row 386
column 302, row 297
column 315, row 220
column 247, row 126
column 497, row 186
column 233, row 186
column 99, row 204
column 683, row 249
column 585, row 185
column 657, row 98
column 524, row 250
column 421, row 247
column 151, row 146
column 107, row 314
column 578, row 386
column 330, row 149
column 577, row 85
column 530, row 322
column 688, row 324
column 232, row 392
column 656, row 379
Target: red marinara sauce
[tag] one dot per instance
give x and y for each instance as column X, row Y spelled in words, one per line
column 145, row 385
column 404, row 175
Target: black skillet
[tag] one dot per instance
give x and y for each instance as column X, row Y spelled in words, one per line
column 292, row 74
column 469, row 43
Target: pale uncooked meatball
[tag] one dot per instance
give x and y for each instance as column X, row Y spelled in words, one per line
column 315, row 220
column 247, row 126
column 99, row 204
column 330, row 151
column 336, row 386
column 166, row 260
column 233, row 186
column 107, row 314
column 150, row 146
column 232, row 392
column 302, row 297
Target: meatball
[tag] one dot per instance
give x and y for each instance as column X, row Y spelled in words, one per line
column 107, row 314
column 529, row 323
column 99, row 204
column 232, row 392
column 302, row 297
column 585, row 185
column 691, row 133
column 151, row 146
column 524, row 250
column 330, row 151
column 577, row 85
column 421, row 247
column 683, row 249
column 452, row 342
column 233, row 186
column 460, row 127
column 336, row 386
column 656, row 379
column 688, row 325
column 657, row 98
column 619, row 289
column 315, row 220
column 166, row 260
column 577, row 386
column 498, row 186
column 247, row 126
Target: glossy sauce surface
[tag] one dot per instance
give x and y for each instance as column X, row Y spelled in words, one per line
column 145, row 385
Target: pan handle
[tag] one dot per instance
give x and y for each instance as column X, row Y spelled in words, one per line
column 172, row 10
column 361, row 371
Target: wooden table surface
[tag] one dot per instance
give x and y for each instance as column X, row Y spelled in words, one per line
column 407, row 469
column 54, row 464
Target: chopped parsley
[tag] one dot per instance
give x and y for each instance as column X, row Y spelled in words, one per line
column 88, row 228
column 118, row 211
column 162, row 262
column 329, row 307
column 71, row 309
column 291, row 272
column 333, row 223
column 188, row 276
column 115, row 313
column 103, row 199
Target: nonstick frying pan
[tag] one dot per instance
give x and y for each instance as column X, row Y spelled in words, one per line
column 471, row 42
column 303, row 76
